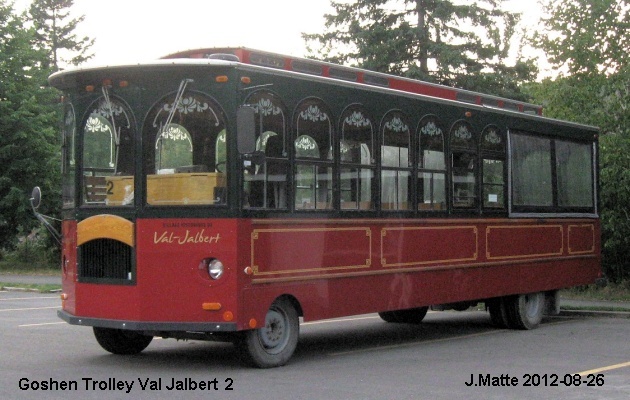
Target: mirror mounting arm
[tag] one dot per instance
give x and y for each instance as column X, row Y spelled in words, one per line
column 36, row 199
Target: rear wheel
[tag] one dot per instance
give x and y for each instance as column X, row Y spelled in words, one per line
column 119, row 341
column 525, row 311
column 274, row 344
column 408, row 316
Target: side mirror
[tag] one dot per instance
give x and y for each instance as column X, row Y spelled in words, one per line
column 246, row 129
column 36, row 197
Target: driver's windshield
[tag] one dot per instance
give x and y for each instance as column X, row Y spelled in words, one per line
column 108, row 151
column 183, row 148
column 184, row 144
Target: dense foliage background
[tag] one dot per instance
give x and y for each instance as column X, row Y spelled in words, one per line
column 453, row 42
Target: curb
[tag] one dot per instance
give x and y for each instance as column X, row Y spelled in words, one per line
column 594, row 313
column 32, row 290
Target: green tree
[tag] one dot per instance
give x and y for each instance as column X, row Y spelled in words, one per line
column 591, row 39
column 455, row 43
column 28, row 122
column 55, row 32
column 586, row 36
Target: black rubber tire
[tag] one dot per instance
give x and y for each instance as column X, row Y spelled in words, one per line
column 408, row 316
column 274, row 344
column 119, row 341
column 525, row 311
column 498, row 313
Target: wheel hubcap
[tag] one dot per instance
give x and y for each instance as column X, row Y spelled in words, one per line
column 532, row 304
column 275, row 333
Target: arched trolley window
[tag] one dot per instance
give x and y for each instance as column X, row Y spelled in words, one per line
column 395, row 162
column 108, row 153
column 431, row 165
column 313, row 155
column 463, row 141
column 185, row 150
column 265, row 185
column 356, row 149
column 493, row 168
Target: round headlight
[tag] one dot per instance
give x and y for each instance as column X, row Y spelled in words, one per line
column 215, row 269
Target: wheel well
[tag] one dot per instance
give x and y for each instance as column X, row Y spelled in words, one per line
column 294, row 302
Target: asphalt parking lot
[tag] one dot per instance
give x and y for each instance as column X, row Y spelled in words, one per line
column 451, row 355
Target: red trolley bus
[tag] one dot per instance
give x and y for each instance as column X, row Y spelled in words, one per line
column 225, row 193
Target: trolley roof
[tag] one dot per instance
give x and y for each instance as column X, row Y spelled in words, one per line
column 326, row 69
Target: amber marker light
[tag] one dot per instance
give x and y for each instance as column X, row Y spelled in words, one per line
column 468, row 114
column 253, row 323
column 211, row 306
column 246, row 80
column 64, row 296
column 228, row 316
column 123, row 84
column 248, row 271
column 89, row 88
column 221, row 78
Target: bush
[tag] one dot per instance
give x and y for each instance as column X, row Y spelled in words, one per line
column 32, row 251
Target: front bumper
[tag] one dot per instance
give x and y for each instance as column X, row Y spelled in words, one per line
column 147, row 326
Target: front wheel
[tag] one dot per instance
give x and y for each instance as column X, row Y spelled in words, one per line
column 119, row 341
column 274, row 344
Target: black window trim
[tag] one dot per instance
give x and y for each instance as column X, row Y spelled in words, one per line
column 530, row 211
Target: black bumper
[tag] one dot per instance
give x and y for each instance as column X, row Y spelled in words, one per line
column 147, row 326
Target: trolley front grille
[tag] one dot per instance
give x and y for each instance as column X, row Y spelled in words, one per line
column 106, row 261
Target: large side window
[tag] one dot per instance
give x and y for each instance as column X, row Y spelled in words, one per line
column 108, row 153
column 492, row 168
column 532, row 183
column 396, row 168
column 431, row 165
column 551, row 175
column 313, row 155
column 574, row 166
column 356, row 148
column 183, row 135
column 266, row 183
column 463, row 141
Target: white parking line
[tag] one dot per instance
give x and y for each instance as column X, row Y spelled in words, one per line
column 28, row 309
column 30, row 298
column 328, row 321
column 42, row 324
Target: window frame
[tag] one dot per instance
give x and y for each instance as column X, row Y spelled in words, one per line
column 201, row 175
column 94, row 188
column 493, row 153
column 554, row 209
column 421, row 168
column 314, row 109
column 470, row 150
column 358, row 170
column 260, row 173
column 399, row 170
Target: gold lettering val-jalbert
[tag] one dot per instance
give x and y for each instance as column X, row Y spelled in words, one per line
column 171, row 237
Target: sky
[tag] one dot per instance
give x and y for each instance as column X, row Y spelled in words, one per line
column 129, row 31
